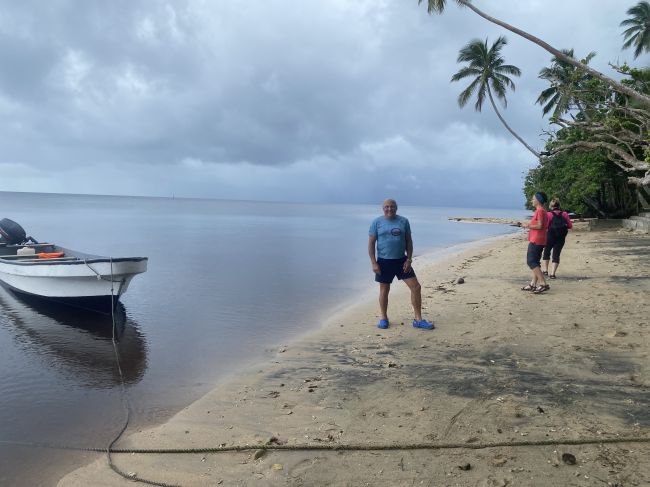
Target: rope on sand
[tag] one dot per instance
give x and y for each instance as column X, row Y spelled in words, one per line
column 330, row 447
column 345, row 447
column 386, row 447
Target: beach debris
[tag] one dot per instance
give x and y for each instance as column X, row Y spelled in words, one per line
column 282, row 349
column 465, row 466
column 273, row 394
column 274, row 440
column 444, row 290
column 277, row 467
column 499, row 461
column 460, row 280
column 540, row 410
column 569, row 458
column 259, row 454
column 132, row 475
column 616, row 334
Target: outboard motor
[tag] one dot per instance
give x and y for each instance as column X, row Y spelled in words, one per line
column 11, row 233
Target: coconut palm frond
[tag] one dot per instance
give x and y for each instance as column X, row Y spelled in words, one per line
column 438, row 6
column 491, row 75
column 465, row 72
column 638, row 32
column 467, row 93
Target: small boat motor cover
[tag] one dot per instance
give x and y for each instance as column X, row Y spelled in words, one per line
column 11, row 232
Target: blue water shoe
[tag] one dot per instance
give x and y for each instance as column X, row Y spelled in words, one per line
column 424, row 324
column 383, row 324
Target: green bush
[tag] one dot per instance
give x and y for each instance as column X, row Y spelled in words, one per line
column 586, row 183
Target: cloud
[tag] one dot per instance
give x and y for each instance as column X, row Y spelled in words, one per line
column 283, row 99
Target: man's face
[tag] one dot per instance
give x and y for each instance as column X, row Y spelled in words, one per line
column 390, row 209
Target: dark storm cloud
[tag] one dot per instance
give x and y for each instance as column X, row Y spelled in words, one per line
column 283, row 99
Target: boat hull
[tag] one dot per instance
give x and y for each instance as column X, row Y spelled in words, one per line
column 94, row 279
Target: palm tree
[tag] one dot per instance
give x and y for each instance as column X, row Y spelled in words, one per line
column 638, row 32
column 490, row 74
column 565, row 82
column 438, row 6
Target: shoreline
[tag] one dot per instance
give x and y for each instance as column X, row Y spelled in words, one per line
column 369, row 296
column 364, row 385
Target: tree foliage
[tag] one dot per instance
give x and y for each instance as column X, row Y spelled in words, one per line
column 637, row 33
column 601, row 118
column 594, row 119
column 489, row 74
column 566, row 83
column 586, row 183
column 438, row 7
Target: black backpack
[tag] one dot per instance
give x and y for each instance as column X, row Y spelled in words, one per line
column 558, row 226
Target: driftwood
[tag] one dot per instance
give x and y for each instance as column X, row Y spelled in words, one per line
column 502, row 221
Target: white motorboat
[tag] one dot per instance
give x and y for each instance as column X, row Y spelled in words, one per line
column 57, row 273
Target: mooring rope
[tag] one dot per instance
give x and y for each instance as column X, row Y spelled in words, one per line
column 126, row 404
column 395, row 446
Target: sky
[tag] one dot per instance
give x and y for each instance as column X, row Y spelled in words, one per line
column 344, row 101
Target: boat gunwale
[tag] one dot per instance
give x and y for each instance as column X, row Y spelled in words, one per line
column 94, row 260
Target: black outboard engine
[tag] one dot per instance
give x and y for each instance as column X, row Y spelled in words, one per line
column 11, row 233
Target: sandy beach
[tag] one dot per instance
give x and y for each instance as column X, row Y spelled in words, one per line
column 502, row 367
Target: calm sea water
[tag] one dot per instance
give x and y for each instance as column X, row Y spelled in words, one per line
column 227, row 281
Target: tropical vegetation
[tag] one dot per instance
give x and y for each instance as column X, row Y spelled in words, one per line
column 489, row 74
column 438, row 6
column 637, row 33
column 597, row 151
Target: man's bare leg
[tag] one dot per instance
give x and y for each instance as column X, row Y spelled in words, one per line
column 545, row 266
column 416, row 296
column 384, row 289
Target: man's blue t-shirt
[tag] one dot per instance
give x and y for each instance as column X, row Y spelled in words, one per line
column 391, row 236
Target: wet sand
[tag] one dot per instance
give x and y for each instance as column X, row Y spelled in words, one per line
column 503, row 366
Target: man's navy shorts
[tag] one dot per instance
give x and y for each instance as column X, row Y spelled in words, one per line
column 391, row 268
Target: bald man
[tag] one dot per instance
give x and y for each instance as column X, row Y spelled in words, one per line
column 390, row 248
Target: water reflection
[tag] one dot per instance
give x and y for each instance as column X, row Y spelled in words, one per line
column 77, row 343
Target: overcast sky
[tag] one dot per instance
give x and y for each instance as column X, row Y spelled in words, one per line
column 293, row 100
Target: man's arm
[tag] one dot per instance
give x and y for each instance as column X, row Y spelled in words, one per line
column 409, row 252
column 538, row 225
column 372, row 240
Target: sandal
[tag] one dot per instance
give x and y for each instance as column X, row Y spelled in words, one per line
column 541, row 289
column 545, row 273
column 552, row 277
column 528, row 287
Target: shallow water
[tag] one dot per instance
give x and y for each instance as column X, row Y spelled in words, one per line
column 226, row 282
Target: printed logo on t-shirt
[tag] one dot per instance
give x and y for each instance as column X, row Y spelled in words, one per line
column 396, row 232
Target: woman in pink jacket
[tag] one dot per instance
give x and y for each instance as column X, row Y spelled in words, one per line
column 558, row 227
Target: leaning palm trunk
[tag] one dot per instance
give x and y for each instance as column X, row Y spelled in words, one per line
column 559, row 54
column 514, row 134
